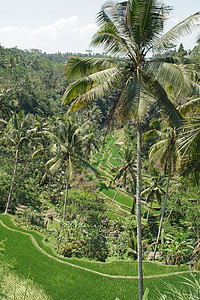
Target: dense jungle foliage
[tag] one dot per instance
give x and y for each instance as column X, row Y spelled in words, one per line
column 100, row 152
column 51, row 145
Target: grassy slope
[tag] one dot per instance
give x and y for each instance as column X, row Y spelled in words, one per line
column 65, row 282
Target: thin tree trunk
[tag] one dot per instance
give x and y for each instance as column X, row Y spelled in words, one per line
column 65, row 202
column 112, row 201
column 13, row 179
column 133, row 206
column 149, row 209
column 134, row 198
column 171, row 211
column 162, row 216
column 198, row 220
column 138, row 213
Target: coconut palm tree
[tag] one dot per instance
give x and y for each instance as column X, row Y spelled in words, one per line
column 128, row 31
column 5, row 111
column 165, row 155
column 154, row 191
column 16, row 134
column 66, row 147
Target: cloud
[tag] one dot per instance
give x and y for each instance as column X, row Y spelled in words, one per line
column 64, row 35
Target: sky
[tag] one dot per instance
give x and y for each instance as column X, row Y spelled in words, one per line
column 66, row 26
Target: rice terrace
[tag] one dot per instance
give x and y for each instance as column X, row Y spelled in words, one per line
column 100, row 154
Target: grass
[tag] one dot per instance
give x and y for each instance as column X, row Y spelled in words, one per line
column 17, row 288
column 62, row 281
column 100, row 161
column 121, row 198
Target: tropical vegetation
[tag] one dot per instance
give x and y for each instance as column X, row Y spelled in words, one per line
column 100, row 164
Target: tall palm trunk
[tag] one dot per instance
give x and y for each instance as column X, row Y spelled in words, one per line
column 65, row 202
column 162, row 216
column 13, row 179
column 112, row 201
column 138, row 212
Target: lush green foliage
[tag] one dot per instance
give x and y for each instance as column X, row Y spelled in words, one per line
column 47, row 147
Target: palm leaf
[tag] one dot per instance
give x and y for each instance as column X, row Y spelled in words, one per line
column 113, row 34
column 88, row 88
column 69, row 170
column 54, row 166
column 147, row 20
column 180, row 30
column 168, row 73
column 52, row 161
column 82, row 66
column 85, row 163
column 165, row 103
column 189, row 106
column 37, row 153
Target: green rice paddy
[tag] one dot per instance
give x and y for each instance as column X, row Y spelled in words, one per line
column 62, row 281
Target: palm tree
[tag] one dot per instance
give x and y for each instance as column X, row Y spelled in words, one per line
column 124, row 170
column 154, row 191
column 189, row 145
column 16, row 134
column 66, row 149
column 128, row 32
column 165, row 155
column 5, row 111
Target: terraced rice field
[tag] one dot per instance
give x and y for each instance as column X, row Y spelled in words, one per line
column 73, row 279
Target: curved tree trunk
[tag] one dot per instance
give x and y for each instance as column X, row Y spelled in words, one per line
column 65, row 202
column 13, row 179
column 112, row 201
column 162, row 216
column 138, row 213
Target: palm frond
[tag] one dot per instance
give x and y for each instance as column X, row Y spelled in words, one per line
column 147, row 20
column 69, row 169
column 152, row 134
column 52, row 161
column 114, row 34
column 180, row 30
column 165, row 103
column 83, row 66
column 55, row 166
column 37, row 153
column 169, row 74
column 191, row 133
column 134, row 101
column 157, row 149
column 196, row 88
column 96, row 85
column 99, row 90
column 189, row 106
